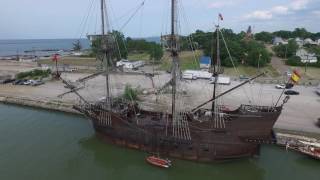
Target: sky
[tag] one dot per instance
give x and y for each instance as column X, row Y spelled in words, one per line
column 49, row 19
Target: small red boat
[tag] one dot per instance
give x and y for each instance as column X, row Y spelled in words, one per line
column 311, row 151
column 156, row 161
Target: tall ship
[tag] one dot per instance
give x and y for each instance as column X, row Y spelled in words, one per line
column 198, row 134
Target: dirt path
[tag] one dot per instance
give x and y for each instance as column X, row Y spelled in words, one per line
column 277, row 63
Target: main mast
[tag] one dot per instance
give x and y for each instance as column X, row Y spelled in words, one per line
column 174, row 54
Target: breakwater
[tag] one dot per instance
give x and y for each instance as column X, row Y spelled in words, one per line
column 42, row 103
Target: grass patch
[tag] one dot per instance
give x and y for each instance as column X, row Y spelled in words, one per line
column 188, row 60
column 34, row 74
column 250, row 71
column 139, row 56
column 74, row 61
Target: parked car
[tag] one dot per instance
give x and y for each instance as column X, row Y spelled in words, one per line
column 291, row 92
column 280, row 86
column 8, row 81
column 27, row 82
column 289, row 85
column 37, row 83
column 242, row 77
column 17, row 82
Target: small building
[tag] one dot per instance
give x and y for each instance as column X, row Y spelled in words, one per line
column 205, row 62
column 278, row 40
column 306, row 57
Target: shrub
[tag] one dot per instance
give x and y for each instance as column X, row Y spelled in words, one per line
column 130, row 93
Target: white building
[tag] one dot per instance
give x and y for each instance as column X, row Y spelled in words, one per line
column 310, row 41
column 299, row 41
column 306, row 57
column 278, row 41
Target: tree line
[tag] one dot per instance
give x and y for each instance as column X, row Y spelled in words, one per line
column 267, row 37
column 125, row 45
column 242, row 50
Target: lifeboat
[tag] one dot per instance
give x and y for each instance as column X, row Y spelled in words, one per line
column 159, row 162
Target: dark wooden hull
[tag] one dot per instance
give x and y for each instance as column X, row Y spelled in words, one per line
column 241, row 137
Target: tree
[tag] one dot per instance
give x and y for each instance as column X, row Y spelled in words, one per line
column 294, row 61
column 288, row 50
column 119, row 47
column 283, row 34
column 156, row 52
column 77, row 46
column 264, row 37
column 258, row 57
column 301, row 32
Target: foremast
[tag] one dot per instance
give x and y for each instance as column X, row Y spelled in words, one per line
column 215, row 64
column 107, row 43
column 107, row 47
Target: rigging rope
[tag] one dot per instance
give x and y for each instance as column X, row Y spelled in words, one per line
column 233, row 64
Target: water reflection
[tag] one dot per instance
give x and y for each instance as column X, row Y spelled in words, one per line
column 124, row 163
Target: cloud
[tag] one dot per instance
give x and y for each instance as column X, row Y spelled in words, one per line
column 316, row 13
column 220, row 3
column 259, row 15
column 295, row 5
column 299, row 4
column 280, row 10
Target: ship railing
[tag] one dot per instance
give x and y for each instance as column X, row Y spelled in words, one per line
column 256, row 108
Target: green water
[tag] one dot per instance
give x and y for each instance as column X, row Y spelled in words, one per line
column 43, row 145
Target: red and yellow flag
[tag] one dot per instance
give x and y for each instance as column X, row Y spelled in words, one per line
column 295, row 78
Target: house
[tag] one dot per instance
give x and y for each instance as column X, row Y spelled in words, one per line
column 299, row 41
column 205, row 62
column 278, row 40
column 318, row 42
column 310, row 41
column 306, row 57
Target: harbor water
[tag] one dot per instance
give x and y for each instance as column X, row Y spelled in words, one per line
column 38, row 47
column 38, row 144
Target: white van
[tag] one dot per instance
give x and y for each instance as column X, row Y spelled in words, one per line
column 189, row 76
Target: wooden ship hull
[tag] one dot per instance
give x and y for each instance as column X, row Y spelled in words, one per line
column 238, row 136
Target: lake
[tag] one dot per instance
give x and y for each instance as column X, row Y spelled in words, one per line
column 39, row 144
